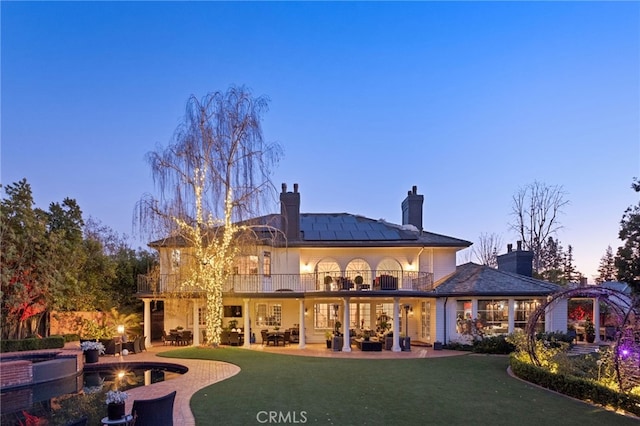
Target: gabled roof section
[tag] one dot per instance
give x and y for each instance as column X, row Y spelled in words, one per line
column 471, row 279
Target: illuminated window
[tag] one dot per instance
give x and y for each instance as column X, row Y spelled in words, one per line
column 268, row 314
column 360, row 315
column 175, row 259
column 325, row 315
column 523, row 310
column 266, row 263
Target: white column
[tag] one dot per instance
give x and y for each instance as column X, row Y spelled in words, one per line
column 396, row 325
column 196, row 323
column 247, row 324
column 511, row 309
column 301, row 331
column 346, row 341
column 596, row 318
column 147, row 322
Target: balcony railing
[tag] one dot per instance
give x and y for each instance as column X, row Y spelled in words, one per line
column 311, row 282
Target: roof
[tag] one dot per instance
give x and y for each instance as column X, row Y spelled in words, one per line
column 347, row 228
column 471, row 279
column 344, row 230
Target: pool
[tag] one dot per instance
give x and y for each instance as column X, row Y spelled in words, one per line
column 60, row 401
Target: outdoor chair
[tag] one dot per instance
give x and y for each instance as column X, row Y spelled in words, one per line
column 137, row 348
column 286, row 338
column 168, row 338
column 110, row 346
column 234, row 338
column 266, row 338
column 143, row 344
column 154, row 412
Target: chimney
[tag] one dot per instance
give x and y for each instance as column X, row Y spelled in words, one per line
column 412, row 208
column 517, row 262
column 290, row 212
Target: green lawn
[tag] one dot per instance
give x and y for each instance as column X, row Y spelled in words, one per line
column 461, row 390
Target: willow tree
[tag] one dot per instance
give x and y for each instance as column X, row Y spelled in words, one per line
column 211, row 178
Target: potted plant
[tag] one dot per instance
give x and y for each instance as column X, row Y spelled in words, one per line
column 589, row 331
column 115, row 404
column 358, row 280
column 328, row 335
column 92, row 350
column 337, row 340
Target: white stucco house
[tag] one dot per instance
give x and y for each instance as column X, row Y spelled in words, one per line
column 328, row 267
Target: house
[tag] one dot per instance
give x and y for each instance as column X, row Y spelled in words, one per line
column 325, row 268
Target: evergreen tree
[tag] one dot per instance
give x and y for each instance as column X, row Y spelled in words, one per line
column 607, row 268
column 570, row 274
column 551, row 262
column 627, row 260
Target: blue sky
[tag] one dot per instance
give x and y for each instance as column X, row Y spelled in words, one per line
column 468, row 101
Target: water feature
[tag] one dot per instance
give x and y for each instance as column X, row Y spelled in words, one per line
column 63, row 400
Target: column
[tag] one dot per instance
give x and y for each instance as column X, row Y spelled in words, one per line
column 196, row 323
column 346, row 345
column 301, row 342
column 147, row 322
column 396, row 325
column 247, row 325
column 511, row 309
column 596, row 318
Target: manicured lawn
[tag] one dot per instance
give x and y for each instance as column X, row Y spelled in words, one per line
column 462, row 390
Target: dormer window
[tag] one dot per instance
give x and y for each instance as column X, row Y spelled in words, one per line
column 175, row 258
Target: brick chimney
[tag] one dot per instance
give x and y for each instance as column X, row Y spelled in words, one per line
column 517, row 262
column 412, row 208
column 290, row 212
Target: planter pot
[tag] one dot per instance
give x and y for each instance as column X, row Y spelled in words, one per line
column 328, row 344
column 405, row 344
column 388, row 343
column 437, row 346
column 591, row 338
column 115, row 411
column 91, row 356
column 337, row 343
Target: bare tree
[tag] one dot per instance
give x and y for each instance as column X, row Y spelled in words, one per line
column 486, row 251
column 536, row 208
column 212, row 176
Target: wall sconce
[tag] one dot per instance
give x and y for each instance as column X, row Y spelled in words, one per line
column 306, row 268
column 306, row 312
column 410, row 267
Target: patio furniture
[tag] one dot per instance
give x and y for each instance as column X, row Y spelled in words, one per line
column 369, row 345
column 266, row 338
column 185, row 337
column 234, row 338
column 224, row 337
column 110, row 346
column 286, row 338
column 154, row 412
column 169, row 338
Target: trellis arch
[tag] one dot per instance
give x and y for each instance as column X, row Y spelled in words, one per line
column 626, row 348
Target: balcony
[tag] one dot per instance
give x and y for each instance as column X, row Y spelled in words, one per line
column 165, row 285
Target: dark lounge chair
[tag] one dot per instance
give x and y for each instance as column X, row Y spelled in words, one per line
column 154, row 412
column 234, row 338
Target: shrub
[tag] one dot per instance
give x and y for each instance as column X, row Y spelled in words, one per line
column 32, row 344
column 493, row 345
column 576, row 387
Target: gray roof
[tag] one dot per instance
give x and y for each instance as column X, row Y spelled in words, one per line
column 343, row 230
column 477, row 280
column 348, row 229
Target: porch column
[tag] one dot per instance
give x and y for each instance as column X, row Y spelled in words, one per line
column 301, row 330
column 511, row 309
column 147, row 322
column 346, row 340
column 247, row 325
column 596, row 318
column 196, row 323
column 396, row 325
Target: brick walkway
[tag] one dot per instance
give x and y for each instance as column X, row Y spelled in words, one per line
column 204, row 373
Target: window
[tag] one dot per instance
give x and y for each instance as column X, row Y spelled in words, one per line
column 246, row 265
column 266, row 263
column 175, row 259
column 425, row 321
column 325, row 315
column 384, row 316
column 202, row 316
column 463, row 316
column 494, row 316
column 523, row 309
column 269, row 314
column 360, row 315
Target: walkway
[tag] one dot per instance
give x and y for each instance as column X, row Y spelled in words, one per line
column 204, row 373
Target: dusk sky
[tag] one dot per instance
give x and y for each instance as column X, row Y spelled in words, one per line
column 468, row 101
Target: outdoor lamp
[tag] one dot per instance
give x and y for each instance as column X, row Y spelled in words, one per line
column 121, row 329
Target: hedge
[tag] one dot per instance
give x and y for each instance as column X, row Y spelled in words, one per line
column 32, row 344
column 576, row 387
